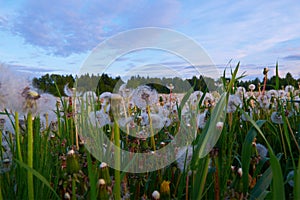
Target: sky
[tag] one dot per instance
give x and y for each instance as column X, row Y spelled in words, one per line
column 62, row 37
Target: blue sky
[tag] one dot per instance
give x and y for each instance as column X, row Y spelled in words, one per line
column 58, row 36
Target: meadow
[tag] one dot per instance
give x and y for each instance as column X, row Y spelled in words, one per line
column 232, row 143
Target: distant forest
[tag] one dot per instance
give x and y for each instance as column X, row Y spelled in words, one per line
column 54, row 83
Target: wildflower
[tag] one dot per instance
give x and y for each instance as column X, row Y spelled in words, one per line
column 30, row 94
column 220, row 125
column 124, row 91
column 241, row 90
column 167, row 121
column 289, row 88
column 195, row 97
column 272, row 94
column 208, row 100
column 170, row 87
column 276, row 118
column 290, row 178
column 104, row 173
column 266, row 70
column 157, row 121
column 101, row 181
column 233, row 102
column 103, row 192
column 30, row 99
column 281, row 94
column 155, row 194
column 240, row 172
column 123, row 122
column 251, row 87
column 264, row 101
column 72, row 162
column 182, row 158
column 202, row 119
column 89, row 97
column 144, row 96
column 296, row 104
column 67, row 195
column 165, row 190
column 71, row 92
column 143, row 134
column 261, row 150
column 99, row 118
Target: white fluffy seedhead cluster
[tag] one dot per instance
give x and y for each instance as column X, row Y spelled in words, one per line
column 17, row 94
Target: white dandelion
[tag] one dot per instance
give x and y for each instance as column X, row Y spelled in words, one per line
column 276, row 118
column 144, row 96
column 234, row 102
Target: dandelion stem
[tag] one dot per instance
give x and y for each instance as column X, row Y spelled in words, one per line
column 151, row 129
column 293, row 136
column 283, row 144
column 117, row 185
column 30, row 156
column 1, row 144
column 17, row 130
column 73, row 189
column 187, row 188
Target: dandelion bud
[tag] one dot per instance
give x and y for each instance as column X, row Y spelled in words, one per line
column 72, row 162
column 240, row 172
column 6, row 163
column 104, row 173
column 165, row 190
column 162, row 144
column 266, row 70
column 103, row 193
column 220, row 125
column 232, row 168
column 67, row 195
column 155, row 195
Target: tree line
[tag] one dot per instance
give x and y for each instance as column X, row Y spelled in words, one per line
column 54, row 83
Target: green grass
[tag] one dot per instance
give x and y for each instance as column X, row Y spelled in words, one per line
column 40, row 168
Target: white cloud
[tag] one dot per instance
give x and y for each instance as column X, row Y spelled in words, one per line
column 66, row 27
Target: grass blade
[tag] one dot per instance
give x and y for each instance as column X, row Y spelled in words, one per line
column 30, row 156
column 246, row 153
column 297, row 182
column 278, row 182
column 37, row 175
column 259, row 191
column 210, row 137
column 277, row 77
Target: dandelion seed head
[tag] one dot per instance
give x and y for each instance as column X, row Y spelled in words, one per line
column 67, row 195
column 71, row 152
column 181, row 155
column 251, row 87
column 202, row 119
column 289, row 88
column 156, row 194
column 234, row 102
column 220, row 125
column 290, row 177
column 262, row 150
column 144, row 96
column 101, row 181
column 103, row 164
column 99, row 118
column 124, row 91
column 272, row 93
column 71, row 92
column 276, row 118
column 240, row 172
